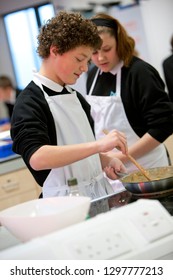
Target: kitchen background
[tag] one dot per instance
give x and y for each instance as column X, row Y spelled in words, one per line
column 148, row 21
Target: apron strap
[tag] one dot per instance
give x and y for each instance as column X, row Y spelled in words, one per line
column 118, row 82
column 94, row 81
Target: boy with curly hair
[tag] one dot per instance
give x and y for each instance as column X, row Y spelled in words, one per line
column 51, row 124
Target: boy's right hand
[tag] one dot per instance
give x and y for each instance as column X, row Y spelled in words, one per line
column 114, row 139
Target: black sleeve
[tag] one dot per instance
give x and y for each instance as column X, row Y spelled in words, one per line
column 32, row 124
column 149, row 101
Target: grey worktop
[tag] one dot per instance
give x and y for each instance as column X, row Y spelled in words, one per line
column 11, row 164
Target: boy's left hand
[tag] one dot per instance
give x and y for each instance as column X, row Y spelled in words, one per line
column 115, row 165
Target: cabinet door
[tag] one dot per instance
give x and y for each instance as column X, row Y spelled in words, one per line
column 17, row 187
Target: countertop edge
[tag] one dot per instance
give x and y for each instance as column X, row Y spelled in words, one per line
column 11, row 165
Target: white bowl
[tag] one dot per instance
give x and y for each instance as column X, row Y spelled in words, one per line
column 41, row 216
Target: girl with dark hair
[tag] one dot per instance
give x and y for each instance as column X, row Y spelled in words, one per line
column 128, row 94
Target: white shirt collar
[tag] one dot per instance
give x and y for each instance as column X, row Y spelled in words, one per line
column 50, row 84
column 116, row 69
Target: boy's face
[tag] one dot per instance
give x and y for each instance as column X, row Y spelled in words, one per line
column 68, row 67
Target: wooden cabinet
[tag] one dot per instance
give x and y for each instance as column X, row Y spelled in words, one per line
column 17, row 187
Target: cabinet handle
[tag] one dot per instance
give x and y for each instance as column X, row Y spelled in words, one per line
column 9, row 187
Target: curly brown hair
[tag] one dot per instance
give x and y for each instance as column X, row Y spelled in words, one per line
column 67, row 31
column 125, row 43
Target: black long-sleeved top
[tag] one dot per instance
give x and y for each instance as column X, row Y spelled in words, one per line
column 32, row 124
column 147, row 105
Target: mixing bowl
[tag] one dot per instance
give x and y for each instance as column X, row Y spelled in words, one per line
column 41, row 216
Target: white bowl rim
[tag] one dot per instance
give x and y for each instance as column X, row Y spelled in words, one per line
column 8, row 212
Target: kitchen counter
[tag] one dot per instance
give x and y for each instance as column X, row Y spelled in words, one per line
column 118, row 200
column 11, row 163
column 17, row 184
column 98, row 239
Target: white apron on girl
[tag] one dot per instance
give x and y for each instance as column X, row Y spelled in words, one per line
column 108, row 113
column 72, row 127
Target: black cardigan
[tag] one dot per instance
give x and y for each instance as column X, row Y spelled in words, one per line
column 147, row 106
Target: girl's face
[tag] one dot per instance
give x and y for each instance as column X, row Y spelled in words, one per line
column 106, row 58
column 67, row 68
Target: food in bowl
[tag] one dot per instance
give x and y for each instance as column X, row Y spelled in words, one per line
column 154, row 173
column 161, row 181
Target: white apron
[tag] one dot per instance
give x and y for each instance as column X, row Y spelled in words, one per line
column 108, row 113
column 72, row 127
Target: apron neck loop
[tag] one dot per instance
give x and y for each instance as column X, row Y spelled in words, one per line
column 118, row 83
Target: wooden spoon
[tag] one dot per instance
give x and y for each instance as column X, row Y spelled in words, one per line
column 143, row 171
